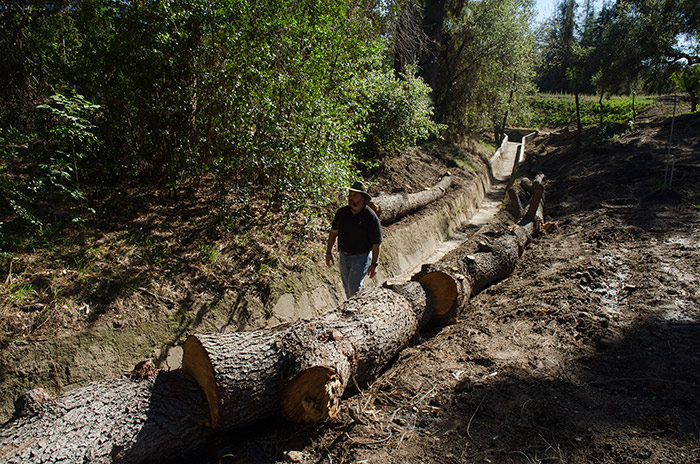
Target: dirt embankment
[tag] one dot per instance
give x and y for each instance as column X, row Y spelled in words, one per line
column 588, row 352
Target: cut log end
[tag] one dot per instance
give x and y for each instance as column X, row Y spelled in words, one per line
column 443, row 292
column 196, row 364
column 312, row 396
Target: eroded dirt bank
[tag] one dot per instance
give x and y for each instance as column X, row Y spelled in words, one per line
column 588, row 352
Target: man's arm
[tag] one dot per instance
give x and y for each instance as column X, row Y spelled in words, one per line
column 329, row 246
column 372, row 271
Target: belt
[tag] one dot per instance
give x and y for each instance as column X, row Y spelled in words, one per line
column 354, row 254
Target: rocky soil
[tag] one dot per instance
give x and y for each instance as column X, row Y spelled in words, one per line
column 588, row 352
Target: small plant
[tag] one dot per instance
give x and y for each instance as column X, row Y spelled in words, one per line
column 209, row 252
column 19, row 293
column 70, row 139
column 83, row 261
column 154, row 253
column 269, row 267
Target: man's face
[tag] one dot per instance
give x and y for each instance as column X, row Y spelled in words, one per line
column 356, row 200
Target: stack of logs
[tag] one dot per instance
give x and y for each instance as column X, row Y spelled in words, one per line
column 228, row 380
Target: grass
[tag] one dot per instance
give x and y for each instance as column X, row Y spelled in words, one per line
column 209, row 252
column 556, row 110
column 463, row 158
column 19, row 293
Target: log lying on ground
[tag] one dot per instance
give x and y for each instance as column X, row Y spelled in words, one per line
column 303, row 369
column 391, row 207
column 465, row 271
column 161, row 417
column 239, row 378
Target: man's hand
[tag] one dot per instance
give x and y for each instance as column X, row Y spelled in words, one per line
column 372, row 271
column 332, row 235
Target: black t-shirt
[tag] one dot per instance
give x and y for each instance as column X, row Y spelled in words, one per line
column 357, row 232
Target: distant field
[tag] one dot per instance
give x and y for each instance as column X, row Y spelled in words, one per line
column 557, row 110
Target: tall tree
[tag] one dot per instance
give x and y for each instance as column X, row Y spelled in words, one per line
column 486, row 54
column 644, row 42
column 557, row 41
column 432, row 25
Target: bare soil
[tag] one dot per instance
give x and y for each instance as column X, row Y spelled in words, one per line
column 588, row 352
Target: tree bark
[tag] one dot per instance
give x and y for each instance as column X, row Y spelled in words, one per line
column 158, row 418
column 304, row 368
column 390, row 207
column 515, row 207
column 239, row 373
column 465, row 272
column 433, row 18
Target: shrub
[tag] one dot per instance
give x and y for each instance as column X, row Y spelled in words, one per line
column 400, row 111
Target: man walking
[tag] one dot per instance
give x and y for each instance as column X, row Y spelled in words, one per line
column 359, row 234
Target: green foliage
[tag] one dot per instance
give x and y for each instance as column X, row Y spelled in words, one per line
column 51, row 160
column 688, row 80
column 400, row 111
column 67, row 142
column 274, row 99
column 632, row 45
column 295, row 120
column 557, row 40
column 19, row 293
column 486, row 67
column 550, row 111
column 209, row 252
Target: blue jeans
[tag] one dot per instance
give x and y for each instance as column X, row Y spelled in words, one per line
column 353, row 269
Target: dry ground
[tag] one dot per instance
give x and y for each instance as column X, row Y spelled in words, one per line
column 588, row 352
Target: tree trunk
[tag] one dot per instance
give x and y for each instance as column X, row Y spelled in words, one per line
column 158, row 418
column 464, row 272
column 304, row 368
column 390, row 207
column 579, row 126
column 515, row 207
column 433, row 18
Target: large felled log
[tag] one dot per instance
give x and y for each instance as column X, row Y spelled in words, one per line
column 158, row 418
column 465, row 271
column 303, row 369
column 391, row 207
